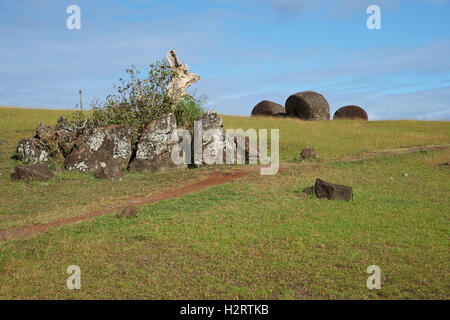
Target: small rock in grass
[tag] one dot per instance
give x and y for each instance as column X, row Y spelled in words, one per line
column 333, row 191
column 330, row 191
column 405, row 174
column 308, row 153
column 128, row 212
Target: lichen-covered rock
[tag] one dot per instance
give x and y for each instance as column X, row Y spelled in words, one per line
column 32, row 151
column 155, row 146
column 268, row 108
column 213, row 139
column 350, row 113
column 101, row 147
column 308, row 105
column 38, row 171
column 45, row 145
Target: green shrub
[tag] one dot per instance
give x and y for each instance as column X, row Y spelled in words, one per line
column 188, row 110
column 138, row 101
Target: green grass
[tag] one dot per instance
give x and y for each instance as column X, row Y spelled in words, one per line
column 334, row 139
column 257, row 238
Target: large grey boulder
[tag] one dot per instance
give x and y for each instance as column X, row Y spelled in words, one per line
column 101, row 147
column 308, row 105
column 213, row 139
column 268, row 108
column 155, row 146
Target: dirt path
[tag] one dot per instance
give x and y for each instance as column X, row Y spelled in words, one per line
column 213, row 179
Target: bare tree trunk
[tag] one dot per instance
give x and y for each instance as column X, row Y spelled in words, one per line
column 182, row 78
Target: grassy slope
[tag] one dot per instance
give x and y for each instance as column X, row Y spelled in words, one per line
column 261, row 237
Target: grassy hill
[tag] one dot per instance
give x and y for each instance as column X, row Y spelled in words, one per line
column 256, row 238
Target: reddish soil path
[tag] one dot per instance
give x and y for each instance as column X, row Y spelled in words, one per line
column 213, row 179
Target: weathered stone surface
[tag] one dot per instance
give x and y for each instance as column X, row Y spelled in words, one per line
column 281, row 115
column 182, row 78
column 213, row 140
column 308, row 105
column 111, row 172
column 65, row 140
column 47, row 143
column 32, row 150
column 128, row 212
column 39, row 171
column 155, row 146
column 242, row 149
column 308, row 153
column 268, row 108
column 43, row 132
column 350, row 113
column 76, row 127
column 101, row 147
column 332, row 191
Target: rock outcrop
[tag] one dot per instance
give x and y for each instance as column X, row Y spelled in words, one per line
column 350, row 113
column 268, row 108
column 47, row 143
column 154, row 149
column 308, row 105
column 101, row 147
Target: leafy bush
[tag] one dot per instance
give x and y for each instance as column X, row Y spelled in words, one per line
column 141, row 100
column 188, row 110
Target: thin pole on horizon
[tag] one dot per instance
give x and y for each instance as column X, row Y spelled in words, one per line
column 81, row 102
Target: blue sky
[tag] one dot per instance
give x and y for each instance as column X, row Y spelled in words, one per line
column 245, row 51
